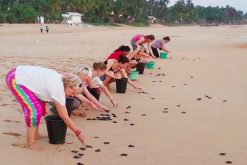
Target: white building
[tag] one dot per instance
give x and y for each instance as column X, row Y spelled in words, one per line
column 40, row 20
column 73, row 18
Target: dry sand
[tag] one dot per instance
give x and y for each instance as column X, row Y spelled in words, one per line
column 208, row 61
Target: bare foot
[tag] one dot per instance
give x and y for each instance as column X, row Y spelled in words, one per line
column 40, row 136
column 35, row 147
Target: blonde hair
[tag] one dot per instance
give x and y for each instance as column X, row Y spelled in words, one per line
column 81, row 69
column 71, row 80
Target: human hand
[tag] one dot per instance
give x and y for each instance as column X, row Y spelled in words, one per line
column 94, row 107
column 103, row 108
column 81, row 138
column 114, row 103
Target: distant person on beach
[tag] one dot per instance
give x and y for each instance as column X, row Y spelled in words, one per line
column 41, row 28
column 32, row 86
column 160, row 44
column 117, row 70
column 141, row 40
column 85, row 74
column 47, row 28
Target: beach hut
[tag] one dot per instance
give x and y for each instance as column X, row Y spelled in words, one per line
column 73, row 18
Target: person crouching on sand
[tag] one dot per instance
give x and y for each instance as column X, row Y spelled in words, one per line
column 84, row 73
column 116, row 70
column 160, row 44
column 99, row 71
column 121, row 50
column 139, row 56
column 32, row 86
column 142, row 40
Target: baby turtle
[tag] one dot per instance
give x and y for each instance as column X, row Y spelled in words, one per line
column 228, row 162
column 144, row 114
column 199, row 99
column 131, row 146
column 124, row 155
column 222, row 154
column 88, row 146
column 98, row 150
column 76, row 157
column 114, row 121
column 126, row 119
column 128, row 107
column 83, row 149
column 152, row 98
column 178, row 105
column 183, row 112
column 74, row 151
column 79, row 163
column 80, row 154
column 132, row 124
column 106, row 142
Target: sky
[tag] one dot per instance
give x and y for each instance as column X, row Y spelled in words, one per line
column 237, row 4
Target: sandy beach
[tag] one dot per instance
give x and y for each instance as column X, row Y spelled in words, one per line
column 194, row 114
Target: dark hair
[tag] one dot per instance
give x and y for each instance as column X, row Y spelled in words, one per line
column 150, row 37
column 167, row 38
column 123, row 48
column 99, row 65
column 123, row 59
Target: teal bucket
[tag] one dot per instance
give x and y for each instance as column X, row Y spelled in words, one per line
column 150, row 65
column 163, row 55
column 134, row 75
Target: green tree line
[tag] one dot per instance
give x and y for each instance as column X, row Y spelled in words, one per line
column 117, row 11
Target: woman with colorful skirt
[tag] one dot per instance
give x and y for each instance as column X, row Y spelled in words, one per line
column 32, row 86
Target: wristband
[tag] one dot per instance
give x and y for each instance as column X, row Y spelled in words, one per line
column 78, row 132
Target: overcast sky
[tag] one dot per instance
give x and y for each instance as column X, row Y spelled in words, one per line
column 237, row 4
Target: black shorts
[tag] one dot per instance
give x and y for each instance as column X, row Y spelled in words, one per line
column 155, row 52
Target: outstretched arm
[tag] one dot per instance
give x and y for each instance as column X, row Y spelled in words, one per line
column 93, row 99
column 84, row 99
column 108, row 94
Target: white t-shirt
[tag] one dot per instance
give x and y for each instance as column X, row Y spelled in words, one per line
column 96, row 80
column 47, row 84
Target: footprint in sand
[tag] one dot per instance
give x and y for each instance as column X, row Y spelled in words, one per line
column 12, row 134
column 12, row 121
column 19, row 145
